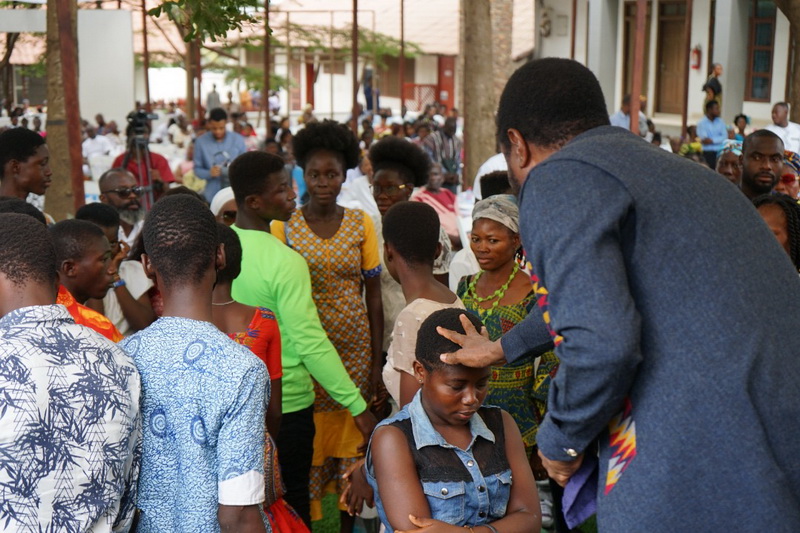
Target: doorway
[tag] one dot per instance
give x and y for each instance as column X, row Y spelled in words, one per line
column 671, row 75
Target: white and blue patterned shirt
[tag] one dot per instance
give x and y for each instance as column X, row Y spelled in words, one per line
column 204, row 401
column 70, row 431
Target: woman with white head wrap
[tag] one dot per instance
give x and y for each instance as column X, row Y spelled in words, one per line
column 501, row 296
column 223, row 206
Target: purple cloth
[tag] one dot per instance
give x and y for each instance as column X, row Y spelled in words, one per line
column 580, row 494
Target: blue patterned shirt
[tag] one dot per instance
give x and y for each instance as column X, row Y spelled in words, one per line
column 70, row 431
column 203, row 408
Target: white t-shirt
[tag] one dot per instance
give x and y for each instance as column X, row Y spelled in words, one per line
column 790, row 135
column 137, row 283
column 100, row 145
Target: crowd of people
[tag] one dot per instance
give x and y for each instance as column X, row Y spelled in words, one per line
column 217, row 349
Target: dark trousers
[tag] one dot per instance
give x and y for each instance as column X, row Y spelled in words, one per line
column 295, row 453
column 711, row 159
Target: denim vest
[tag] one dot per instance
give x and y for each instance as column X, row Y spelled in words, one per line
column 463, row 487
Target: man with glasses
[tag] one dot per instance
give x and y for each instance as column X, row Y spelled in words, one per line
column 119, row 189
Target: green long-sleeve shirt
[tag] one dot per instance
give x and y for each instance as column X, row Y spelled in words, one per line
column 276, row 277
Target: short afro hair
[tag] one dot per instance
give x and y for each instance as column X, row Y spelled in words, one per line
column 72, row 238
column 249, row 173
column 183, row 189
column 26, row 250
column 791, row 210
column 217, row 114
column 495, row 183
column 233, row 254
column 326, row 135
column 758, row 134
column 180, row 238
column 101, row 214
column 18, row 144
column 431, row 345
column 11, row 204
column 549, row 101
column 408, row 159
column 412, row 228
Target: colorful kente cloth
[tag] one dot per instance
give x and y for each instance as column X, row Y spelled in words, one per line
column 338, row 267
column 520, row 387
column 88, row 317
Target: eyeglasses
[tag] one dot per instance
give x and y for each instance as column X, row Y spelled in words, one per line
column 125, row 191
column 229, row 216
column 377, row 190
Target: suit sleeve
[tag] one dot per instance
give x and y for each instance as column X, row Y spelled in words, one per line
column 579, row 219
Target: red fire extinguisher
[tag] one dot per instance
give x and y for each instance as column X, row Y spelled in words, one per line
column 696, row 57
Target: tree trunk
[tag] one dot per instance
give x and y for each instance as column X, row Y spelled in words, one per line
column 791, row 8
column 60, row 199
column 479, row 100
column 7, row 70
column 502, row 13
column 188, row 64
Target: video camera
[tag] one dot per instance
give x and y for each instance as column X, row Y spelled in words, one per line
column 139, row 119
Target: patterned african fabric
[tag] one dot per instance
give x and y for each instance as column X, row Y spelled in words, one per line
column 88, row 317
column 520, row 387
column 70, row 430
column 203, row 407
column 263, row 339
column 338, row 266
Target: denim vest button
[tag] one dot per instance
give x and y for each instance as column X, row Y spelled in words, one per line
column 444, row 492
column 481, row 489
column 470, row 463
column 481, row 515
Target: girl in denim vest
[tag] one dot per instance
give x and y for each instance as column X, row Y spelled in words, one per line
column 444, row 462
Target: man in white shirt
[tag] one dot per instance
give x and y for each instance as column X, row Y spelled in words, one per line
column 95, row 144
column 789, row 132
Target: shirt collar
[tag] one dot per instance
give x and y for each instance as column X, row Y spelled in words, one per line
column 426, row 435
column 35, row 314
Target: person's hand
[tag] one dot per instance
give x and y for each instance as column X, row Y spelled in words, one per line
column 561, row 471
column 707, row 141
column 476, row 349
column 451, row 178
column 429, row 525
column 155, row 175
column 538, row 469
column 117, row 260
column 357, row 491
column 378, row 393
column 215, row 171
column 365, row 422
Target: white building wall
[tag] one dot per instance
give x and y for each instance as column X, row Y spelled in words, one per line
column 105, row 39
column 701, row 18
column 426, row 70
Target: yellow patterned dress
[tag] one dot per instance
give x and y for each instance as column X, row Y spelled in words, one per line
column 338, row 267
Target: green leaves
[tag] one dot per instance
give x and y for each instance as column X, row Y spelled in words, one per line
column 203, row 19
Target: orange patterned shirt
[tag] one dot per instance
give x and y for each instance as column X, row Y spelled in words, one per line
column 88, row 317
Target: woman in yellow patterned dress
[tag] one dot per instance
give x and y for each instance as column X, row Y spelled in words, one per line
column 341, row 248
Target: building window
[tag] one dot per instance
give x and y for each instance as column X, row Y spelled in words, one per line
column 389, row 75
column 760, row 48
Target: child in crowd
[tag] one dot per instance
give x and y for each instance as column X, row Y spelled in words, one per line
column 204, row 396
column 444, row 462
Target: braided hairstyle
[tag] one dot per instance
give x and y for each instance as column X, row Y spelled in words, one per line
column 791, row 210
